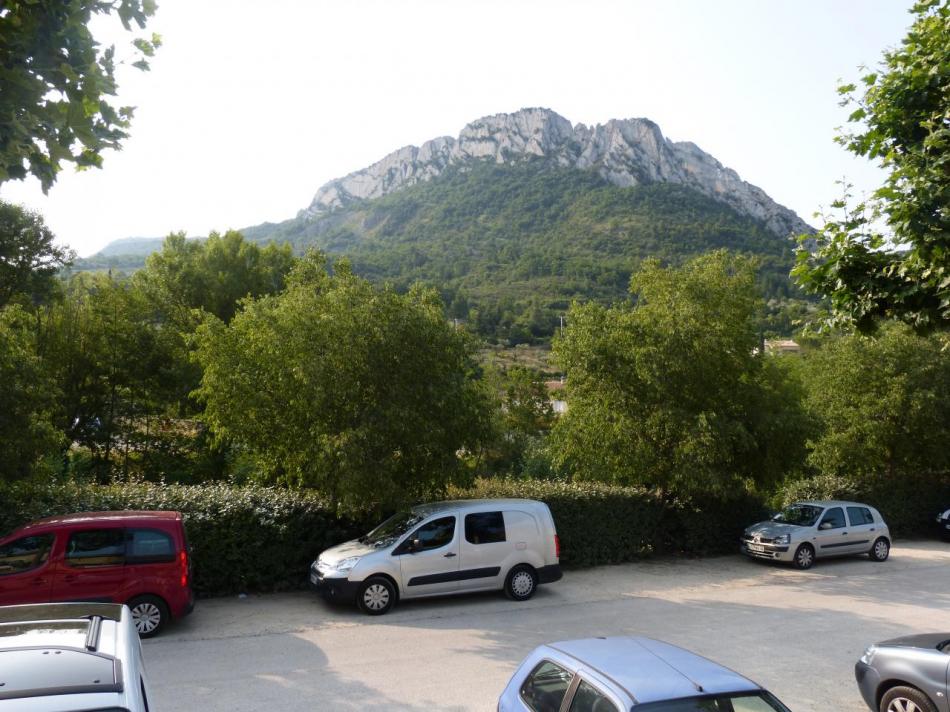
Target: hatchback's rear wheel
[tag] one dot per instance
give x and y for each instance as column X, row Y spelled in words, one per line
column 906, row 699
column 804, row 557
column 880, row 550
column 376, row 596
column 149, row 614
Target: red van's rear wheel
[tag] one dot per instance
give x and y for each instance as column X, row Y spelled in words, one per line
column 149, row 614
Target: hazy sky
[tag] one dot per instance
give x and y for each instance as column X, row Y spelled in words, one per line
column 251, row 106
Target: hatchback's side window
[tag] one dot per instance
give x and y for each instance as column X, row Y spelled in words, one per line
column 484, row 527
column 860, row 516
column 25, row 553
column 834, row 517
column 96, row 547
column 148, row 546
column 435, row 534
column 588, row 698
column 545, row 687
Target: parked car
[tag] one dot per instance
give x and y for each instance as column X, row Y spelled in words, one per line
column 943, row 524
column 619, row 674
column 137, row 558
column 63, row 657
column 805, row 531
column 444, row 548
column 906, row 674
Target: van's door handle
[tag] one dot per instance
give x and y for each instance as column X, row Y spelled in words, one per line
column 450, row 555
column 844, row 533
column 69, row 578
column 39, row 581
column 872, row 529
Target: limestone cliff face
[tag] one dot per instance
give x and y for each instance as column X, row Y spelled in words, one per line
column 625, row 152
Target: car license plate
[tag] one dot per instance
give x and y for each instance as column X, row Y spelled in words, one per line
column 757, row 548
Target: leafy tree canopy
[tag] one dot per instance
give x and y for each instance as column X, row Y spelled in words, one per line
column 883, row 403
column 367, row 395
column 29, row 260
column 213, row 274
column 670, row 392
column 57, row 81
column 889, row 256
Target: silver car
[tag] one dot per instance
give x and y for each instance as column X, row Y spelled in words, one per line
column 63, row 657
column 441, row 549
column 906, row 674
column 805, row 531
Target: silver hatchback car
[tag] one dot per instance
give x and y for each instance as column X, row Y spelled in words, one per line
column 805, row 531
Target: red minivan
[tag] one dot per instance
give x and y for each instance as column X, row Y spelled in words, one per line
column 137, row 558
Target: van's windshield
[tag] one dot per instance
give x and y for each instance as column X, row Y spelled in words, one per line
column 389, row 531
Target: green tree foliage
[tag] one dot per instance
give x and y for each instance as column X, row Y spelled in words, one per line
column 884, row 405
column 212, row 275
column 29, row 261
column 524, row 416
column 366, row 395
column 889, row 256
column 57, row 81
column 28, row 396
column 121, row 375
column 670, row 392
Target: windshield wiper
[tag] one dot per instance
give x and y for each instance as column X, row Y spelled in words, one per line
column 943, row 644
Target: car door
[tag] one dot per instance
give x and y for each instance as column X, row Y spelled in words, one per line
column 862, row 528
column 26, row 571
column 832, row 537
column 92, row 567
column 484, row 549
column 429, row 558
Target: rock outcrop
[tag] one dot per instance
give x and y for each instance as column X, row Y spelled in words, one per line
column 625, row 152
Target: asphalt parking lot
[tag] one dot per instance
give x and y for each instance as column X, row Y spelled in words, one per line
column 797, row 633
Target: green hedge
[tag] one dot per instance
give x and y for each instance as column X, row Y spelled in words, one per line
column 242, row 538
column 908, row 503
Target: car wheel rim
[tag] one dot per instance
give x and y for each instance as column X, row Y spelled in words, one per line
column 804, row 557
column 146, row 617
column 376, row 597
column 522, row 583
column 880, row 550
column 902, row 704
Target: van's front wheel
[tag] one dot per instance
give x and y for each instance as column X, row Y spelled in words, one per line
column 521, row 583
column 376, row 596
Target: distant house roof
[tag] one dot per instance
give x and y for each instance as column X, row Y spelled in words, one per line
column 781, row 346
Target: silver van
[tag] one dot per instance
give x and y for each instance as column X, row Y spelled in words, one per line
column 441, row 549
column 62, row 657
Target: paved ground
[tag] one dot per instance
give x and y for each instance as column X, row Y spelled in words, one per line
column 797, row 633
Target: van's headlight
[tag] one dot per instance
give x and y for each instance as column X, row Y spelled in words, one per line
column 782, row 539
column 346, row 565
column 869, row 654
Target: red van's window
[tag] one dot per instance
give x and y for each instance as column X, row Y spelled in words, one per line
column 149, row 546
column 96, row 547
column 25, row 553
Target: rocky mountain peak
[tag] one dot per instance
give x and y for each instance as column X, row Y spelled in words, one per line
column 625, row 152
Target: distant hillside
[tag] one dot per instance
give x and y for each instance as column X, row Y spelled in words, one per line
column 523, row 213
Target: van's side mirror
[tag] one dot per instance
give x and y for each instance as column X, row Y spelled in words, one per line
column 825, row 525
column 414, row 546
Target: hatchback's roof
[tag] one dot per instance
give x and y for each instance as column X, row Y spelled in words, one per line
column 651, row 670
column 434, row 507
column 64, row 651
column 834, row 503
column 82, row 517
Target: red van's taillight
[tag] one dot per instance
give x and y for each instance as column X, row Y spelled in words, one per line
column 557, row 546
column 183, row 560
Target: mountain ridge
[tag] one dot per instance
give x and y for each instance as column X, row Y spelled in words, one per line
column 625, row 152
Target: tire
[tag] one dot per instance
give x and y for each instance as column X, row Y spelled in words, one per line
column 376, row 596
column 906, row 699
column 880, row 550
column 149, row 615
column 804, row 557
column 521, row 583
